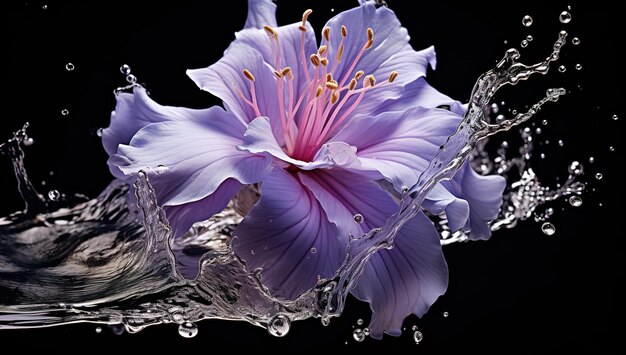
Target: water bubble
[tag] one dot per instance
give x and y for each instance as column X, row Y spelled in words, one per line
column 599, row 176
column 575, row 41
column 54, row 195
column 562, row 69
column 358, row 335
column 592, row 159
column 610, row 148
column 366, row 331
column 418, row 336
column 446, row 314
column 359, row 321
column 575, row 168
column 560, row 143
column 529, row 38
column 615, row 117
column 358, row 218
column 524, row 44
column 98, row 330
column 65, row 112
column 131, row 78
column 279, row 325
column 578, row 66
column 500, row 118
column 514, row 112
column 548, row 228
column 575, row 201
column 313, row 250
column 527, row 21
column 188, row 330
column 495, row 108
column 125, row 69
column 99, row 132
column 69, row 67
column 565, row 17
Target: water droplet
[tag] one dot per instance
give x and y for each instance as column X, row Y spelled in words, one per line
column 125, row 69
column 529, row 38
column 359, row 322
column 279, row 325
column 131, row 78
column 414, row 328
column 548, row 228
column 562, row 69
column 514, row 112
column 313, row 250
column 54, row 195
column 599, row 176
column 575, row 201
column 418, row 336
column 575, row 41
column 332, row 10
column 160, row 169
column 28, row 142
column 366, row 331
column 69, row 67
column 578, row 66
column 544, row 122
column 188, row 330
column 65, row 112
column 358, row 335
column 610, row 148
column 542, row 156
column 446, row 314
column 565, row 17
column 575, row 168
column 99, row 132
column 358, row 218
column 44, row 7
column 495, row 108
column 538, row 130
column 560, row 143
column 98, row 330
column 527, row 21
column 592, row 159
column 615, row 117
column 524, row 44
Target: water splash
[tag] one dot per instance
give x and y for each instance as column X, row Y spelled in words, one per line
column 115, row 270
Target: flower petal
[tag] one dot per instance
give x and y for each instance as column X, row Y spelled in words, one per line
column 484, row 195
column 288, row 235
column 137, row 110
column 399, row 145
column 188, row 161
column 260, row 13
column 406, row 279
column 441, row 200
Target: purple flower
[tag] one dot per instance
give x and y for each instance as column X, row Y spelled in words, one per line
column 326, row 131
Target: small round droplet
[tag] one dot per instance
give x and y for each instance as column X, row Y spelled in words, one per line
column 562, row 69
column 599, row 176
column 359, row 321
column 44, row 7
column 527, row 21
column 578, row 66
column 414, row 328
column 188, row 330
column 366, row 331
column 418, row 336
column 575, row 168
column 313, row 250
column 131, row 78
column 524, row 44
column 538, row 130
column 446, row 314
column 560, row 143
column 279, row 325
column 69, row 67
column 358, row 335
column 65, row 112
column 358, row 218
column 125, row 69
column 544, row 122
column 542, row 156
column 495, row 108
column 529, row 38
column 615, row 117
column 54, row 195
column 548, row 228
column 98, row 330
column 514, row 112
column 575, row 41
column 592, row 159
column 99, row 132
column 575, row 201
column 611, row 148
column 565, row 17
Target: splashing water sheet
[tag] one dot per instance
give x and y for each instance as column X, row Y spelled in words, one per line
column 73, row 252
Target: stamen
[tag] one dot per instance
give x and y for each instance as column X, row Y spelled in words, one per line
column 322, row 50
column 339, row 53
column 278, row 75
column 319, row 91
column 334, row 96
column 271, row 32
column 368, row 81
column 326, row 33
column 329, row 77
column 305, row 16
column 344, row 31
column 324, row 61
column 286, row 72
column 302, row 28
column 352, row 84
column 359, row 74
column 393, row 76
column 248, row 75
column 333, row 85
column 315, row 60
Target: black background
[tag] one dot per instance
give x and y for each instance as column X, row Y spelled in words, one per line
column 520, row 292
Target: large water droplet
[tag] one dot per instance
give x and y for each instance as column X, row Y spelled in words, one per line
column 188, row 330
column 565, row 17
column 358, row 335
column 548, row 228
column 527, row 21
column 599, row 176
column 54, row 195
column 69, row 67
column 575, row 201
column 575, row 41
column 418, row 336
column 279, row 325
column 358, row 218
column 125, row 69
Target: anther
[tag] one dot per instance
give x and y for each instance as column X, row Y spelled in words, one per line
column 324, row 61
column 352, row 84
column 322, row 50
column 334, row 97
column 393, row 76
column 332, row 85
column 319, row 91
column 278, row 75
column 305, row 16
column 271, row 32
column 370, row 38
column 329, row 77
column 326, row 33
column 368, row 81
column 287, row 72
column 359, row 74
column 344, row 31
column 248, row 75
column 315, row 60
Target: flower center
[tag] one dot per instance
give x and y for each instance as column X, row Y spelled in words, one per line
column 326, row 101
